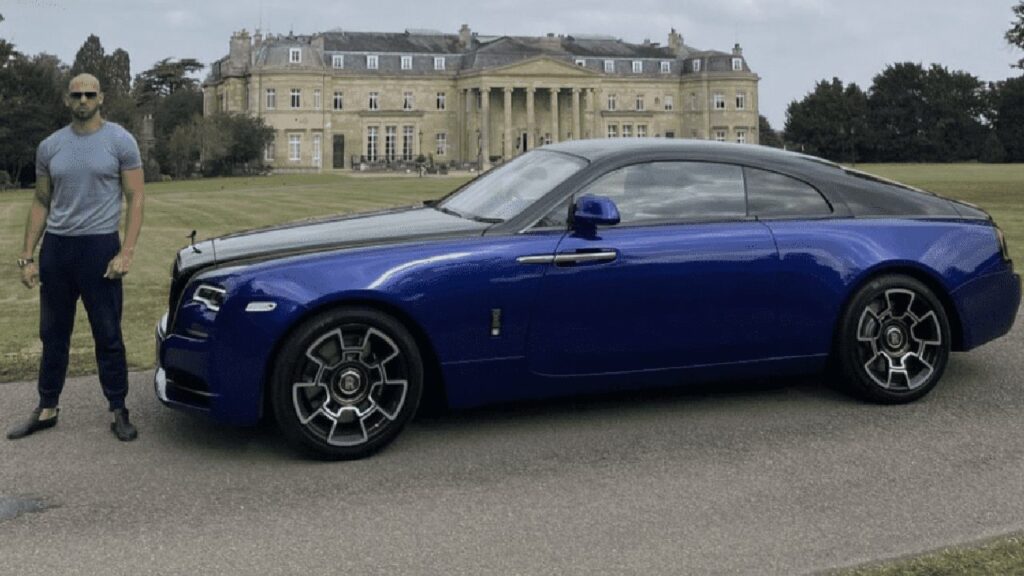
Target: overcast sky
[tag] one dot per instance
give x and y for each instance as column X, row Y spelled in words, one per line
column 791, row 44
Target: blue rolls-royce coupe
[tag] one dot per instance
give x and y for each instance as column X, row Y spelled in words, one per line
column 581, row 267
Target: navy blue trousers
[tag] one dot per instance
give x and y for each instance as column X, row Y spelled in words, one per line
column 72, row 267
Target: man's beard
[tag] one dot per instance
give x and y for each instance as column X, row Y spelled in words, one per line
column 85, row 113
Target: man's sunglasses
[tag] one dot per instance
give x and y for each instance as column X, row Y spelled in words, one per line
column 78, row 95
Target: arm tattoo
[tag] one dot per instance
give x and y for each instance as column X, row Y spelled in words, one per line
column 43, row 192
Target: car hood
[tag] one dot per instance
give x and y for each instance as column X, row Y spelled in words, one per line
column 399, row 225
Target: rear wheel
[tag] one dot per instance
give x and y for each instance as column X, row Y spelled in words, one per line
column 346, row 383
column 894, row 340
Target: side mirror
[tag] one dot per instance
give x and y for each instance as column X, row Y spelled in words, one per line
column 592, row 211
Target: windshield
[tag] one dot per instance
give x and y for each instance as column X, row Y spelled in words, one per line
column 508, row 190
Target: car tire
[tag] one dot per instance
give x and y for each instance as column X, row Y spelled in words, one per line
column 346, row 382
column 894, row 340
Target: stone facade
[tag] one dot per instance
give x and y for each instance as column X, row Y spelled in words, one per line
column 341, row 100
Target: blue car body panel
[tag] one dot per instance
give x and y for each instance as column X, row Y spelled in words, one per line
column 658, row 304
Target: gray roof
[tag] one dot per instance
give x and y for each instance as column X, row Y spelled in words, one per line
column 482, row 53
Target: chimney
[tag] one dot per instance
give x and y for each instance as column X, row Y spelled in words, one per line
column 240, row 53
column 736, row 50
column 675, row 42
column 465, row 37
column 551, row 42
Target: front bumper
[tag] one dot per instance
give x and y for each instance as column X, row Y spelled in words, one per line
column 176, row 388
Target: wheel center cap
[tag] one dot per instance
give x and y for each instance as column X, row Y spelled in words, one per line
column 348, row 382
column 894, row 337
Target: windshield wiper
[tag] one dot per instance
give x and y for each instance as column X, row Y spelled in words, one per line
column 472, row 217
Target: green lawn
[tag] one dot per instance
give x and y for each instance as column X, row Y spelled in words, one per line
column 212, row 207
column 220, row 205
column 1001, row 557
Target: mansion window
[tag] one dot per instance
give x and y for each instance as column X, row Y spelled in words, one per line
column 316, row 149
column 294, row 147
column 441, row 101
column 669, row 104
column 693, row 101
column 338, row 61
column 407, row 101
column 374, row 103
column 666, row 66
column 741, row 101
column 640, row 106
column 442, row 143
column 718, row 101
column 339, row 101
column 641, row 130
column 296, row 98
column 371, row 143
column 371, row 62
column 741, row 136
column 638, row 66
column 719, row 135
column 271, row 98
column 613, row 131
column 609, row 66
column 611, row 102
column 627, row 130
column 269, row 152
column 737, row 64
column 406, row 62
column 390, row 135
column 295, row 56
column 317, row 99
column 547, row 138
column 407, row 132
column 696, row 66
column 581, row 62
column 439, row 63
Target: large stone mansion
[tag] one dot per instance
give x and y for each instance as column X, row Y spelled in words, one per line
column 342, row 99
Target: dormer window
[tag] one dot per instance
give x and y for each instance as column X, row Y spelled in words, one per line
column 295, row 55
column 439, row 63
column 609, row 66
column 737, row 64
column 406, row 62
column 581, row 62
column 666, row 67
column 696, row 66
column 371, row 62
column 638, row 66
column 338, row 61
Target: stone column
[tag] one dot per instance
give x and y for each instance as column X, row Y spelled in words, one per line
column 509, row 150
column 531, row 124
column 576, row 124
column 554, row 115
column 591, row 115
column 485, row 133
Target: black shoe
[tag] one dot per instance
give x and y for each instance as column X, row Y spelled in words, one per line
column 31, row 425
column 121, row 427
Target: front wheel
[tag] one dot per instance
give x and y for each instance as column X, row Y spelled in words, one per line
column 346, row 383
column 894, row 340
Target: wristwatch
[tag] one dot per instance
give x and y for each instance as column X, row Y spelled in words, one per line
column 22, row 262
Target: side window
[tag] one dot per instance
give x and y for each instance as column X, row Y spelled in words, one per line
column 772, row 195
column 558, row 217
column 674, row 191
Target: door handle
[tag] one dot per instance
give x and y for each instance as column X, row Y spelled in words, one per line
column 570, row 258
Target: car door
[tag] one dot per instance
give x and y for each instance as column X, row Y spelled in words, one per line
column 685, row 279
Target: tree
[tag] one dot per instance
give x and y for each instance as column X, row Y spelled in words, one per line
column 184, row 148
column 165, row 78
column 114, row 74
column 1008, row 117
column 830, row 121
column 31, row 91
column 896, row 105
column 954, row 103
column 233, row 143
column 768, row 136
column 1015, row 35
column 170, row 113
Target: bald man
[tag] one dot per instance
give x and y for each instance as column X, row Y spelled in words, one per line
column 82, row 170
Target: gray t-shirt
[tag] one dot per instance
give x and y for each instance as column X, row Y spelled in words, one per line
column 86, row 174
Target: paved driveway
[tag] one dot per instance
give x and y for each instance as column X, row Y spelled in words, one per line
column 778, row 478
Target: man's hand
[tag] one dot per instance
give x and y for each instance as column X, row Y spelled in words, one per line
column 118, row 266
column 30, row 275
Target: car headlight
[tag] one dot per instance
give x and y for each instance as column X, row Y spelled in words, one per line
column 211, row 296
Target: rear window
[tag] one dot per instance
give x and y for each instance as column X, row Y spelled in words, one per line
column 773, row 195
